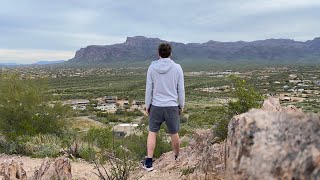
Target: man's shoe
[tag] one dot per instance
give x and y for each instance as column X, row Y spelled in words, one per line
column 176, row 157
column 147, row 164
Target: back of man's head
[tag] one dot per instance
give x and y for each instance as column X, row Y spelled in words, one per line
column 164, row 50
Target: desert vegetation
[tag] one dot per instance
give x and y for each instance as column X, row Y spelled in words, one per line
column 35, row 121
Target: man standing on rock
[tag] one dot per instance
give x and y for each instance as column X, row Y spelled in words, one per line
column 165, row 97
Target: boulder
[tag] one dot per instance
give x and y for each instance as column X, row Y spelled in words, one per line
column 59, row 169
column 273, row 104
column 273, row 144
column 12, row 170
column 202, row 159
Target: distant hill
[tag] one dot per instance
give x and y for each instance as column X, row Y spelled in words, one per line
column 48, row 62
column 140, row 48
column 37, row 63
column 8, row 64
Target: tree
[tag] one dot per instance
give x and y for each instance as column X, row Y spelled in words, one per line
column 245, row 97
column 25, row 108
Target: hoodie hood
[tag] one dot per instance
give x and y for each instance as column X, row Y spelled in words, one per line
column 162, row 65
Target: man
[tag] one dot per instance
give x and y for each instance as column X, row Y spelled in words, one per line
column 165, row 97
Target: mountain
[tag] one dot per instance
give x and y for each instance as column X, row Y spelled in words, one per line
column 48, row 62
column 37, row 63
column 140, row 48
column 8, row 64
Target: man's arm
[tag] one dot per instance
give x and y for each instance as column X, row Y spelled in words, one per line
column 181, row 92
column 149, row 89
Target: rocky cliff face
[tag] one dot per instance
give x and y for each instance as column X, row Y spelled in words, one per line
column 276, row 143
column 140, row 48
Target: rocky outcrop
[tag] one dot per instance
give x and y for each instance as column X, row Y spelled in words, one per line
column 16, row 166
column 140, row 48
column 203, row 159
column 273, row 104
column 275, row 143
column 12, row 170
column 59, row 169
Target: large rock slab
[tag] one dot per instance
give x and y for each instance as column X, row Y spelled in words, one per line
column 273, row 145
column 273, row 104
column 59, row 169
column 12, row 170
column 202, row 159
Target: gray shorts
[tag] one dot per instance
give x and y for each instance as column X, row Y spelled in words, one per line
column 168, row 114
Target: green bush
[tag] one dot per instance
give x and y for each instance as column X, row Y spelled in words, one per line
column 36, row 146
column 87, row 152
column 205, row 117
column 25, row 109
column 100, row 137
column 245, row 99
column 183, row 131
column 120, row 165
column 137, row 144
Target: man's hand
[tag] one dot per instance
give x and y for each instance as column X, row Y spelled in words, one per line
column 147, row 111
column 180, row 111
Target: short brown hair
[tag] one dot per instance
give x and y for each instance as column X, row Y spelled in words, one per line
column 164, row 50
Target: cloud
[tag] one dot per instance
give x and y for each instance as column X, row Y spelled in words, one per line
column 69, row 25
column 32, row 55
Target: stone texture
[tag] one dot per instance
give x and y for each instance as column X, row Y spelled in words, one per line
column 273, row 104
column 273, row 145
column 12, row 170
column 59, row 169
column 140, row 48
column 203, row 159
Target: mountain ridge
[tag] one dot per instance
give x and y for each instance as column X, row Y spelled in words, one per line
column 140, row 48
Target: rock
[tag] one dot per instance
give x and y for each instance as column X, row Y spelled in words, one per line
column 59, row 168
column 291, row 108
column 203, row 159
column 141, row 48
column 273, row 104
column 73, row 151
column 273, row 145
column 12, row 170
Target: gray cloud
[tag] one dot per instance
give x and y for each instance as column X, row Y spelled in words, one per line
column 66, row 26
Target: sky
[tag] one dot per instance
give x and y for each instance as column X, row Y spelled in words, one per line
column 46, row 30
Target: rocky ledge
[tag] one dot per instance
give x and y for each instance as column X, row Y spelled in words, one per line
column 274, row 143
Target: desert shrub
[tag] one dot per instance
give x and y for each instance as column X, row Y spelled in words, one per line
column 137, row 144
column 100, row 137
column 87, row 152
column 25, row 109
column 183, row 131
column 246, row 97
column 10, row 147
column 122, row 112
column 108, row 117
column 69, row 136
column 183, row 118
column 41, row 145
column 187, row 171
column 205, row 117
column 120, row 165
column 184, row 143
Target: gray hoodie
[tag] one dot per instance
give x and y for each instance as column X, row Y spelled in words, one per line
column 165, row 84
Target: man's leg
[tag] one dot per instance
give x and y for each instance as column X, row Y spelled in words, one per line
column 175, row 141
column 151, row 143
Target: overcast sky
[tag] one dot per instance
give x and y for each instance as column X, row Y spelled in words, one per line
column 33, row 30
